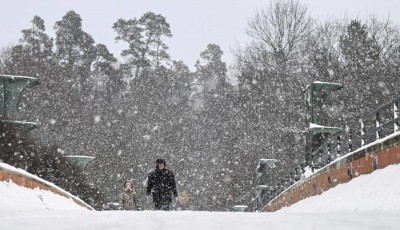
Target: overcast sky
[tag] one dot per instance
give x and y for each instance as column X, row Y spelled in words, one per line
column 194, row 23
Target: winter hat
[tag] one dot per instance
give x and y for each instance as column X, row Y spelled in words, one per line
column 128, row 181
column 159, row 161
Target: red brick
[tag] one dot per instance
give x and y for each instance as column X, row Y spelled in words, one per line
column 383, row 160
column 296, row 195
column 340, row 175
column 393, row 155
column 322, row 183
column 15, row 179
column 2, row 175
column 307, row 189
column 362, row 166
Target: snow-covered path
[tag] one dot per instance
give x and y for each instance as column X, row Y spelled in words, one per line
column 367, row 202
column 186, row 220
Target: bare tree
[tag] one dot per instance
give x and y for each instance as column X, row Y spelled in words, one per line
column 283, row 27
column 386, row 34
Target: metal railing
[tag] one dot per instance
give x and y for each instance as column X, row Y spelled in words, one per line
column 370, row 127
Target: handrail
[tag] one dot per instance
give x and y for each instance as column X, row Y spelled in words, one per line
column 358, row 132
column 370, row 126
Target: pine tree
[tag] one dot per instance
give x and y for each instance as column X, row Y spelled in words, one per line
column 145, row 39
column 34, row 55
column 359, row 50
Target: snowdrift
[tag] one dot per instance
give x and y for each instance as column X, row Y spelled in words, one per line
column 21, row 190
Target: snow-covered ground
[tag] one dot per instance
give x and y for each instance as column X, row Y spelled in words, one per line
column 367, row 202
column 16, row 198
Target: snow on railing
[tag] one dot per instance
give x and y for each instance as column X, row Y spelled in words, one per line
column 370, row 129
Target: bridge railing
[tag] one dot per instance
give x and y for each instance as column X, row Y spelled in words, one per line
column 370, row 127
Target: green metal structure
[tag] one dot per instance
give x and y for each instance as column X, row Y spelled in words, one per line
column 264, row 167
column 239, row 208
column 79, row 160
column 11, row 90
column 316, row 133
column 315, row 94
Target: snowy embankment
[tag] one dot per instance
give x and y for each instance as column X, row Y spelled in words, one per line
column 378, row 192
column 367, row 202
column 16, row 197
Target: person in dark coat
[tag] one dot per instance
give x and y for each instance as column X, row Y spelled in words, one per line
column 161, row 183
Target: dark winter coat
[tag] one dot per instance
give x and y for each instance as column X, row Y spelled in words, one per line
column 162, row 184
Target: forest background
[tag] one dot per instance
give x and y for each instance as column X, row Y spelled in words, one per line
column 210, row 126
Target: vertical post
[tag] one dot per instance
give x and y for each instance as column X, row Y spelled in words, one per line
column 362, row 131
column 395, row 115
column 349, row 139
column 339, row 153
column 262, row 189
column 377, row 124
column 316, row 134
column 329, row 150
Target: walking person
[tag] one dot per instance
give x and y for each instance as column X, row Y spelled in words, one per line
column 128, row 199
column 161, row 183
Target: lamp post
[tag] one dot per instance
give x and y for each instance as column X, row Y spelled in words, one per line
column 262, row 189
column 11, row 89
column 316, row 133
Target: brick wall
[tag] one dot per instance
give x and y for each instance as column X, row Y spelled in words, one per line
column 361, row 162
